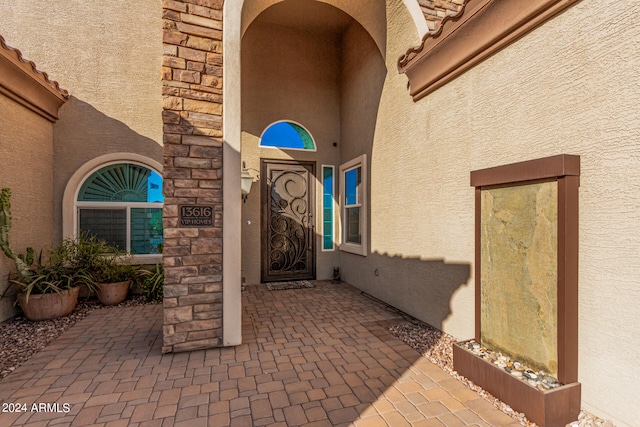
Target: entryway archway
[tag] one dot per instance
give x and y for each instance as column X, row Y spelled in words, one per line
column 319, row 65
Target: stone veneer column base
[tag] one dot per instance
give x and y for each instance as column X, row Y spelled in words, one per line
column 192, row 172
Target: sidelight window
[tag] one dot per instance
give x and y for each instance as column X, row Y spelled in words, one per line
column 327, row 207
column 354, row 206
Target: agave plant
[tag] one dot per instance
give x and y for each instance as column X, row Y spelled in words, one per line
column 48, row 279
column 84, row 261
column 62, row 270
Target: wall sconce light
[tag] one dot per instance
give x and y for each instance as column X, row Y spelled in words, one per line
column 246, row 182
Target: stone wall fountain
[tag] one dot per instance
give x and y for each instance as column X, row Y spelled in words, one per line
column 525, row 350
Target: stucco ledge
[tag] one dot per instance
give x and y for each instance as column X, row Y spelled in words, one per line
column 462, row 41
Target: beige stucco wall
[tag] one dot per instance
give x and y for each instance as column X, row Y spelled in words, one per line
column 400, row 266
column 362, row 75
column 26, row 153
column 570, row 86
column 287, row 74
column 108, row 55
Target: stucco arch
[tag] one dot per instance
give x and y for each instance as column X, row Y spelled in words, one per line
column 237, row 16
column 370, row 14
column 69, row 212
column 417, row 16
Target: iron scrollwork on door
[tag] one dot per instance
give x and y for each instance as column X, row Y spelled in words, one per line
column 289, row 222
column 288, row 225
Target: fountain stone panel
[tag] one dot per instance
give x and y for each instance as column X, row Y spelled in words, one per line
column 519, row 273
column 526, row 288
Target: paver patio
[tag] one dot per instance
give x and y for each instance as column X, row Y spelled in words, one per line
column 316, row 357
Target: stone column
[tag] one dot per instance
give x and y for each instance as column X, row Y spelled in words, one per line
column 192, row 117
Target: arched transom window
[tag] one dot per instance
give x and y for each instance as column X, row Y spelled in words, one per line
column 122, row 204
column 287, row 135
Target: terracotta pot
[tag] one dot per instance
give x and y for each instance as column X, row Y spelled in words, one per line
column 113, row 293
column 49, row 306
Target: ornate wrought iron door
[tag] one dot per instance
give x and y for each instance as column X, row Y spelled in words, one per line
column 288, row 235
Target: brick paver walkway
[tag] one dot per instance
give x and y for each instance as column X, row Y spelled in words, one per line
column 315, row 357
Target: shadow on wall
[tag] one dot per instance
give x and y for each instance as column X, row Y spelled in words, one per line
column 422, row 288
column 84, row 133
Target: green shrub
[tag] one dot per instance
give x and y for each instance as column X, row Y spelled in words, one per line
column 82, row 261
column 152, row 283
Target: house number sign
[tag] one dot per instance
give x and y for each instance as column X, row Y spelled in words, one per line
column 196, row 216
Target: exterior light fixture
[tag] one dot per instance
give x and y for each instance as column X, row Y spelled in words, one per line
column 247, row 180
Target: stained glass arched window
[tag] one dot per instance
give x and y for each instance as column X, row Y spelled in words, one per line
column 287, row 135
column 122, row 204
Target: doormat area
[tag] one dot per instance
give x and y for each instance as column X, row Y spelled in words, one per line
column 283, row 286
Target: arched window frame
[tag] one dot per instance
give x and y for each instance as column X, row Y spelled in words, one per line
column 315, row 146
column 70, row 203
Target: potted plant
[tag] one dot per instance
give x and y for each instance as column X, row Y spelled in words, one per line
column 109, row 270
column 47, row 289
column 113, row 275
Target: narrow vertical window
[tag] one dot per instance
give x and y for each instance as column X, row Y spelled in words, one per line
column 353, row 178
column 327, row 208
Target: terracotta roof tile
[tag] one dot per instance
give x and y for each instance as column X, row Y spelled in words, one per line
column 435, row 11
column 30, row 67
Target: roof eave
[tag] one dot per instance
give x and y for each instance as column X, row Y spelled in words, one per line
column 21, row 81
column 481, row 29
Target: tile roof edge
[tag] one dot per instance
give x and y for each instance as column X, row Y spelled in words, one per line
column 30, row 68
column 414, row 51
